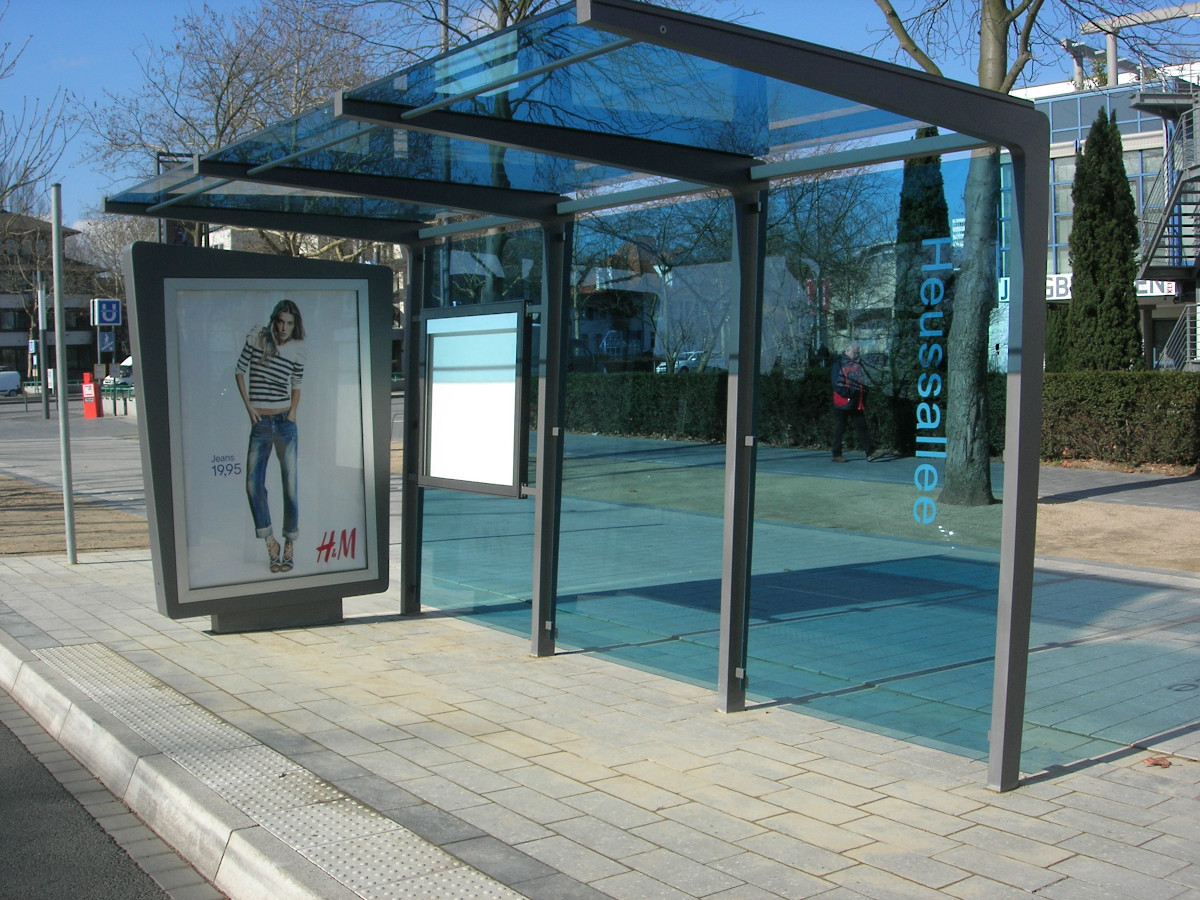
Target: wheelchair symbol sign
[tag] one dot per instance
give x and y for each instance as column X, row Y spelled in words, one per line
column 106, row 312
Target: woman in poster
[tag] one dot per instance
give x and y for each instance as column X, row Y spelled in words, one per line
column 269, row 371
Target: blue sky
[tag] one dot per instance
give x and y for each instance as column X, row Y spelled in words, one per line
column 89, row 46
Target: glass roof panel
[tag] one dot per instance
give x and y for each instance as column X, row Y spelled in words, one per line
column 633, row 89
column 547, row 72
column 319, row 141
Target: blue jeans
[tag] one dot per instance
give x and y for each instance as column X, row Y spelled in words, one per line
column 276, row 433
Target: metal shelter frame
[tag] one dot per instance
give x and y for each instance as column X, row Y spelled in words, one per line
column 291, row 178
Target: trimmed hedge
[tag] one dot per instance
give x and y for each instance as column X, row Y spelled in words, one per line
column 1122, row 417
column 1128, row 418
column 792, row 412
column 642, row 404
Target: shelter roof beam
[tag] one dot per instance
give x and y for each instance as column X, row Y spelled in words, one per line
column 484, row 199
column 729, row 171
column 357, row 228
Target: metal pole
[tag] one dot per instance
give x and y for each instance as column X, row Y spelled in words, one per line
column 1023, row 432
column 741, row 452
column 43, row 349
column 60, row 367
column 558, row 241
column 412, row 495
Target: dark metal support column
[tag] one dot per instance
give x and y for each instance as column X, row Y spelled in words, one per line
column 557, row 239
column 1027, row 325
column 412, row 496
column 741, row 450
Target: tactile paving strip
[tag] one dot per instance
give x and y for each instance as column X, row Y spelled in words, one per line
column 461, row 884
column 367, row 852
column 273, row 792
column 381, row 858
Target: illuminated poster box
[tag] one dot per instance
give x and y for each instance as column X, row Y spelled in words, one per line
column 265, row 406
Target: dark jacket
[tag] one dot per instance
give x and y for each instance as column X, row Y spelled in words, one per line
column 849, row 384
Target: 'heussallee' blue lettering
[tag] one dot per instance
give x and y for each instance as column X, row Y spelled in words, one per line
column 930, row 443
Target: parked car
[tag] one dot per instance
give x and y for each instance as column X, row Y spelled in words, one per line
column 689, row 361
column 124, row 375
column 10, row 383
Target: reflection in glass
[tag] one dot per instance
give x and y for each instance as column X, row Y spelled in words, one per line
column 477, row 552
column 640, row 568
column 873, row 599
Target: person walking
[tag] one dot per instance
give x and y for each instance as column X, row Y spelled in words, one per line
column 849, row 402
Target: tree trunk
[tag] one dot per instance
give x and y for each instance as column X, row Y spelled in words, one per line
column 968, row 464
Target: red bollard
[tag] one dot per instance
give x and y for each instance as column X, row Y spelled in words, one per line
column 91, row 405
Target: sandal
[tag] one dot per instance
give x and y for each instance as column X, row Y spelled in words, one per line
column 273, row 554
column 285, row 562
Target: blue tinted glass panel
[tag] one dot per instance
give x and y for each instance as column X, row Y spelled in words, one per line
column 638, row 91
column 318, row 141
column 183, row 186
column 640, row 564
column 261, row 197
column 873, row 597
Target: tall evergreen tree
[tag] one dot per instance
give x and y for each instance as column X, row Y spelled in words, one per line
column 923, row 214
column 1056, row 321
column 1101, row 330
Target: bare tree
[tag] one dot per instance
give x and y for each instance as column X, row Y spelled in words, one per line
column 1006, row 40
column 32, row 140
column 226, row 77
column 26, row 266
column 409, row 30
column 101, row 242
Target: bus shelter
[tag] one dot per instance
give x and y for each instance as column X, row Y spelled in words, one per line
column 499, row 163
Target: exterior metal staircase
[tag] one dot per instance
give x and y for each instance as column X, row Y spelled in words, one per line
column 1181, row 350
column 1171, row 211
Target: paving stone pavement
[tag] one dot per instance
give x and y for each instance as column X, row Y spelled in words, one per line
column 432, row 757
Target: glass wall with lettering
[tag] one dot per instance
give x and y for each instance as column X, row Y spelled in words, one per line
column 878, row 495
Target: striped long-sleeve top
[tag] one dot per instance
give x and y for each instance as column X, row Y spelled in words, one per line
column 272, row 372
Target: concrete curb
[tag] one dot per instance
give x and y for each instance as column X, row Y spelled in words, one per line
column 240, row 857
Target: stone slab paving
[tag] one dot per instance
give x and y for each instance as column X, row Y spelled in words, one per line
column 433, row 757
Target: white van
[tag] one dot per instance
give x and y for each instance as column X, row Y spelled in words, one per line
column 124, row 374
column 10, row 383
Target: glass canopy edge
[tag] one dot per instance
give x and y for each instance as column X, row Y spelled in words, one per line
column 989, row 116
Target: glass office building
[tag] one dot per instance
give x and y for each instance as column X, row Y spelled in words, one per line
column 1146, row 131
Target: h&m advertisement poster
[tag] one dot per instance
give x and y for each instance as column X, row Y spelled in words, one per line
column 268, row 424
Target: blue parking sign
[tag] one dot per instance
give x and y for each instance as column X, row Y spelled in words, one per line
column 106, row 311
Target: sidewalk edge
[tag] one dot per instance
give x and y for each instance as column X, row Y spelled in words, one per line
column 226, row 846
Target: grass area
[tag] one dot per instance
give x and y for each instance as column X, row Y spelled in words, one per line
column 861, row 506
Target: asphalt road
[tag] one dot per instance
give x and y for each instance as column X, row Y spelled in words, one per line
column 50, row 846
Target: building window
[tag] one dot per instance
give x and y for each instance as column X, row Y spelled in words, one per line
column 13, row 320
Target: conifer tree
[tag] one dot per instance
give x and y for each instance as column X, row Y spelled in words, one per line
column 1101, row 330
column 924, row 214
